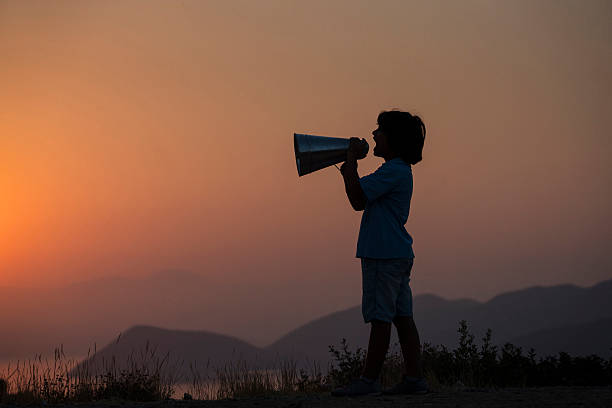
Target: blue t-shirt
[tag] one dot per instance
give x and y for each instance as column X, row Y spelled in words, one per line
column 388, row 191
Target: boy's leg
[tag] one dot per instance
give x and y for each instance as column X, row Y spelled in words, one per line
column 382, row 279
column 410, row 344
column 380, row 335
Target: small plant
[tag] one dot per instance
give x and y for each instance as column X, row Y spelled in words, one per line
column 309, row 383
column 346, row 364
column 487, row 360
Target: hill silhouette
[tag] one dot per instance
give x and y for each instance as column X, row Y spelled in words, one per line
column 151, row 345
column 579, row 339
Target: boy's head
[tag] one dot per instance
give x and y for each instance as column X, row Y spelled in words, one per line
column 399, row 134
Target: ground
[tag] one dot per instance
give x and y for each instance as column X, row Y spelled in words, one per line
column 505, row 398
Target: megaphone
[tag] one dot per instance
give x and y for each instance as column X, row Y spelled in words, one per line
column 313, row 153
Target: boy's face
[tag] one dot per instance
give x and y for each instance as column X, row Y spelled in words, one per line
column 381, row 148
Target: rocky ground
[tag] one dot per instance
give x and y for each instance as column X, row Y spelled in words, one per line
column 504, row 398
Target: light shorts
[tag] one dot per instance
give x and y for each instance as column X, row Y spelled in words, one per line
column 386, row 288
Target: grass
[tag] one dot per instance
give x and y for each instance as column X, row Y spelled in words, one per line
column 143, row 377
column 148, row 376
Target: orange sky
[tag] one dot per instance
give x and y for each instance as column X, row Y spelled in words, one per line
column 148, row 135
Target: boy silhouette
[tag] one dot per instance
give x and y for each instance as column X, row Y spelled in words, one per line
column 385, row 249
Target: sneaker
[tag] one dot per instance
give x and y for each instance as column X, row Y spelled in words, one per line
column 360, row 386
column 409, row 385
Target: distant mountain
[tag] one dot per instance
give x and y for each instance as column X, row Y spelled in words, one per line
column 549, row 319
column 522, row 312
column 143, row 345
column 578, row 339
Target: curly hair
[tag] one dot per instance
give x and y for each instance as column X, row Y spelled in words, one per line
column 405, row 133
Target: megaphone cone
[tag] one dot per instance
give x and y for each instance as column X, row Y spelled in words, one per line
column 313, row 153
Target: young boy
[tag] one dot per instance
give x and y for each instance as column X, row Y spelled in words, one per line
column 385, row 249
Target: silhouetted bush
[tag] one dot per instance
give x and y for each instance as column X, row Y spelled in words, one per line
column 483, row 365
column 347, row 364
column 135, row 385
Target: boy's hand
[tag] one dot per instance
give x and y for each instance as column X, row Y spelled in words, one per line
column 348, row 166
column 358, row 149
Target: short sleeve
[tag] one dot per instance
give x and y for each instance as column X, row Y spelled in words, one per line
column 375, row 185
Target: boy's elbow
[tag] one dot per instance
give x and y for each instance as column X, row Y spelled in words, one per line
column 358, row 205
column 356, row 197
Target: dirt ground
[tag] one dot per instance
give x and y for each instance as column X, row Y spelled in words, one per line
column 517, row 397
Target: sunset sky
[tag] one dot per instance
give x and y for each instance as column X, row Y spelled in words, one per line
column 143, row 136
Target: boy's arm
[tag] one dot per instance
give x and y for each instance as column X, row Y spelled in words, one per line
column 354, row 192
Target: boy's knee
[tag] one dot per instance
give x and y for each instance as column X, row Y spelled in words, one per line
column 380, row 323
column 403, row 320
